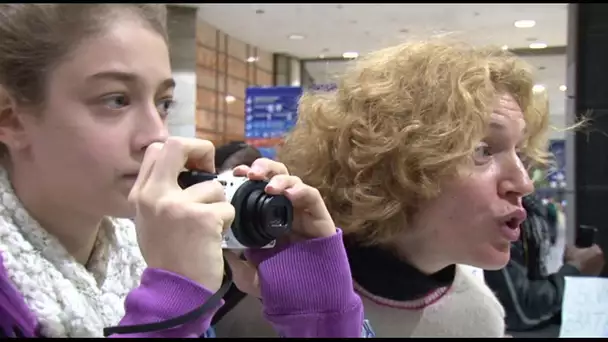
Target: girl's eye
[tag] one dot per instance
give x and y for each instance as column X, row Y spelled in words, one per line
column 165, row 106
column 115, row 101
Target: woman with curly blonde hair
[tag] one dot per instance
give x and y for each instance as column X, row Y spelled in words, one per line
column 418, row 156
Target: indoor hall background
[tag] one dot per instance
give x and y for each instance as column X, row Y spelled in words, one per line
column 225, row 67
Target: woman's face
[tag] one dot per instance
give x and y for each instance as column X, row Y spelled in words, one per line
column 477, row 215
column 104, row 105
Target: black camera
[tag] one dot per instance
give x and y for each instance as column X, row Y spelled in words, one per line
column 260, row 218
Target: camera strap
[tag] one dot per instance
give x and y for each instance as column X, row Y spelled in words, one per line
column 209, row 305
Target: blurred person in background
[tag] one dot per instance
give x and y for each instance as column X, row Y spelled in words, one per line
column 233, row 154
column 531, row 294
column 557, row 218
column 418, row 156
column 553, row 249
column 85, row 92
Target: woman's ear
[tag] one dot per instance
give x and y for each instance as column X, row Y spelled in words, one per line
column 12, row 133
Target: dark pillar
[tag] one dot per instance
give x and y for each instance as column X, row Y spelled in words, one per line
column 588, row 91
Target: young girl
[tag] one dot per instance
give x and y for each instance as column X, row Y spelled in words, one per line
column 84, row 93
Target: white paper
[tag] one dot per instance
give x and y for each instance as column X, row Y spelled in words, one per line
column 585, row 307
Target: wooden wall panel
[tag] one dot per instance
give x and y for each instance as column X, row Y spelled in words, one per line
column 224, row 71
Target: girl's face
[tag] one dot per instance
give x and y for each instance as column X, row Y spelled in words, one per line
column 104, row 105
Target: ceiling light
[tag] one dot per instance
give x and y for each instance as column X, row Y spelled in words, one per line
column 538, row 45
column 505, row 47
column 252, row 59
column 563, row 87
column 524, row 23
column 538, row 88
column 321, row 56
column 230, row 99
column 350, row 55
column 296, row 37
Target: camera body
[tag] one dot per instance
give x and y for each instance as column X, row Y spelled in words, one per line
column 259, row 219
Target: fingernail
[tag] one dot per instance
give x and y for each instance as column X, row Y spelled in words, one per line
column 273, row 184
column 257, row 169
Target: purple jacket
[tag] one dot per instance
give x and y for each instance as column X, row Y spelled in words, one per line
column 307, row 291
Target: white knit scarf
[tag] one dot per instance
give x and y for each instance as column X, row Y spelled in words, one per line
column 68, row 299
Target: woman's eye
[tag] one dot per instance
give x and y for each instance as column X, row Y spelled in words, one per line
column 482, row 153
column 115, row 101
column 164, row 106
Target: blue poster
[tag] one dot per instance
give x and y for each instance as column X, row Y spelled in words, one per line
column 557, row 171
column 270, row 113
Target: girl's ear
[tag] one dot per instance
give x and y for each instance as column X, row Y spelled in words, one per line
column 12, row 134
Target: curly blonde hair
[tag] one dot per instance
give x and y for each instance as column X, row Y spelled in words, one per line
column 402, row 120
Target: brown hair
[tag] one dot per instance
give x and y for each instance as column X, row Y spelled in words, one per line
column 402, row 120
column 234, row 154
column 35, row 37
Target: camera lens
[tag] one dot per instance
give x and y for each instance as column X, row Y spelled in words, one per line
column 261, row 218
column 270, row 213
column 279, row 214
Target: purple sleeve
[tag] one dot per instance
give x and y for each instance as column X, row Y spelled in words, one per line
column 164, row 295
column 307, row 290
column 161, row 295
column 15, row 317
